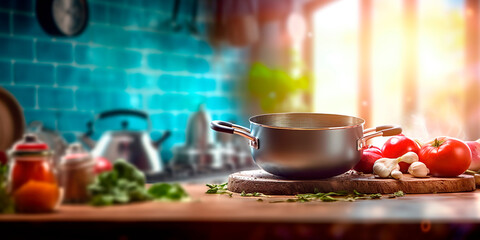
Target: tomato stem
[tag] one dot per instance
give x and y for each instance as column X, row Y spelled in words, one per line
column 437, row 143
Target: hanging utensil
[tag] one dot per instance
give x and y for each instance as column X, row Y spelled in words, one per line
column 192, row 24
column 217, row 33
column 174, row 24
column 243, row 26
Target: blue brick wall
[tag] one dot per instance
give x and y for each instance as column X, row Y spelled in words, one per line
column 126, row 58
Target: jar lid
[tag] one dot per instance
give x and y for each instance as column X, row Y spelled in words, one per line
column 75, row 156
column 30, row 145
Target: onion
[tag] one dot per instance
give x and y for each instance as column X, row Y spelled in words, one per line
column 475, row 149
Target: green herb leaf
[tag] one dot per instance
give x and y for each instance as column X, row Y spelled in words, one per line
column 125, row 184
column 6, row 201
column 376, row 196
column 328, row 199
column 397, row 194
column 169, row 192
column 254, row 194
column 356, row 193
column 218, row 189
column 331, row 197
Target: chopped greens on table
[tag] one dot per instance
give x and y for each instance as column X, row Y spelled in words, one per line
column 397, row 194
column 307, row 197
column 218, row 189
column 126, row 184
column 254, row 194
column 331, row 197
column 167, row 192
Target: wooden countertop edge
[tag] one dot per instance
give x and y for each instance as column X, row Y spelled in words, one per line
column 413, row 208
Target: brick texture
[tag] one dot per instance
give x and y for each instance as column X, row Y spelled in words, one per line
column 128, row 57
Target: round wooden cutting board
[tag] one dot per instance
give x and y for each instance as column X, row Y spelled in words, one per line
column 266, row 183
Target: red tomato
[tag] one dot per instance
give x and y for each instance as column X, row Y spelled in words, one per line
column 446, row 157
column 396, row 146
column 369, row 156
column 102, row 165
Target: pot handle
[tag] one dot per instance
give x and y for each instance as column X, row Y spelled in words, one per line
column 227, row 127
column 380, row 131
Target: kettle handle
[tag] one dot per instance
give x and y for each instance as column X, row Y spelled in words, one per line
column 119, row 112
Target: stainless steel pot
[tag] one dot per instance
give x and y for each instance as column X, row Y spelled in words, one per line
column 306, row 145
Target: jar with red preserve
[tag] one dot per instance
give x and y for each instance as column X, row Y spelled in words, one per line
column 32, row 179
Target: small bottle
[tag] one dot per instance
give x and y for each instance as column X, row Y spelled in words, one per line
column 76, row 173
column 32, row 180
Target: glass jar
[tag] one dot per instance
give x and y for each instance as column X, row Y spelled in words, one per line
column 32, row 179
column 76, row 173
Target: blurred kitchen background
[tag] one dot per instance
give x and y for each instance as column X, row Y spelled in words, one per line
column 186, row 62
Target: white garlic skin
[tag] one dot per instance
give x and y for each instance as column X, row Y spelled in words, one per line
column 409, row 157
column 418, row 169
column 383, row 167
column 397, row 174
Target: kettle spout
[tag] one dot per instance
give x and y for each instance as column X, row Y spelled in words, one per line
column 162, row 139
column 86, row 139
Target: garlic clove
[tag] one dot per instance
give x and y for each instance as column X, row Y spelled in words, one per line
column 418, row 169
column 397, row 174
column 380, row 169
column 409, row 157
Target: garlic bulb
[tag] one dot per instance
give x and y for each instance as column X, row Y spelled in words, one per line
column 418, row 169
column 383, row 167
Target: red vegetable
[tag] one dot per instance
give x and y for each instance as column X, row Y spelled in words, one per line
column 475, row 149
column 102, row 165
column 397, row 146
column 369, row 156
column 446, row 157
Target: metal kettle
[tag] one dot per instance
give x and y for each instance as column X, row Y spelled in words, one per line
column 198, row 132
column 134, row 146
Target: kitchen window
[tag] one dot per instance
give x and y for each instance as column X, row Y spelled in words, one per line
column 409, row 62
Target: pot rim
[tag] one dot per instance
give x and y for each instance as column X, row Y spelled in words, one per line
column 360, row 124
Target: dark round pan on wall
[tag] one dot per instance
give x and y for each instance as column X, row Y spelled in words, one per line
column 62, row 17
column 12, row 121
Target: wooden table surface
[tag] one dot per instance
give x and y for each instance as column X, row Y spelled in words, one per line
column 212, row 216
column 412, row 208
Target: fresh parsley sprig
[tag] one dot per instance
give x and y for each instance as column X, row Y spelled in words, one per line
column 254, row 194
column 396, row 194
column 218, row 189
column 335, row 196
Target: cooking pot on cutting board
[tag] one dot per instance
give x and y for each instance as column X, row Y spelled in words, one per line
column 133, row 146
column 306, row 145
